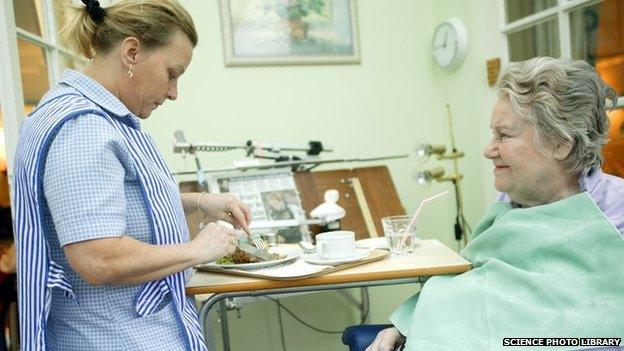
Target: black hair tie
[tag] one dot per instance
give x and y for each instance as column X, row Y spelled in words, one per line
column 95, row 11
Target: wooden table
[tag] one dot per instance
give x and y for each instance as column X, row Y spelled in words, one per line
column 429, row 258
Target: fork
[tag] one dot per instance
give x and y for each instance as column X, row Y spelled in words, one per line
column 255, row 239
column 259, row 243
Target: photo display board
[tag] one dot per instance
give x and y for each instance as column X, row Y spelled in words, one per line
column 273, row 200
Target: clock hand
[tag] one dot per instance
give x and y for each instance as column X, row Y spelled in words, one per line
column 445, row 39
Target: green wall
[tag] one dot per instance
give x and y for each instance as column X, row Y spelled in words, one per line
column 393, row 99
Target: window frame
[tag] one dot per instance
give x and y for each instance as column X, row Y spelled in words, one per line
column 11, row 96
column 561, row 12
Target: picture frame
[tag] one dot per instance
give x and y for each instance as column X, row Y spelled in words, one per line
column 289, row 32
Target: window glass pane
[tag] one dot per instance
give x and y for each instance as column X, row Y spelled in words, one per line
column 2, row 143
column 29, row 16
column 517, row 9
column 34, row 73
column 540, row 40
column 6, row 234
column 597, row 36
column 614, row 150
column 4, row 184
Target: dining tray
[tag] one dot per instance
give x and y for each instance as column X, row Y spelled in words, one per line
column 308, row 270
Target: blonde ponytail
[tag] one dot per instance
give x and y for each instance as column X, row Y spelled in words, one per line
column 152, row 22
column 78, row 31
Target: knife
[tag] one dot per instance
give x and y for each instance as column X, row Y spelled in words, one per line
column 243, row 245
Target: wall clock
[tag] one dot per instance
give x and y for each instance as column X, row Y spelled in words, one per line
column 450, row 44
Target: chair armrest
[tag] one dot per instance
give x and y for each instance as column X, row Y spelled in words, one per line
column 358, row 337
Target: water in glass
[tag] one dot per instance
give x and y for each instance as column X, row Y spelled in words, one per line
column 399, row 239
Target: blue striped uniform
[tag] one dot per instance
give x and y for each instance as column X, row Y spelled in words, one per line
column 42, row 274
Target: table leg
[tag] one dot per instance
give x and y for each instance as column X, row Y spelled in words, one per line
column 208, row 327
column 220, row 298
column 204, row 323
column 365, row 306
column 362, row 305
column 225, row 333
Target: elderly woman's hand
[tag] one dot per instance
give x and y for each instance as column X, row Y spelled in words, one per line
column 387, row 340
column 225, row 207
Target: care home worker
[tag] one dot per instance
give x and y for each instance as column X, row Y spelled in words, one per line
column 103, row 246
column 547, row 257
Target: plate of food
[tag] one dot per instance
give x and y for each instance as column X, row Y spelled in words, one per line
column 242, row 260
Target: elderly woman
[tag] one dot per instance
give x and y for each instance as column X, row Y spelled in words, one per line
column 103, row 246
column 547, row 256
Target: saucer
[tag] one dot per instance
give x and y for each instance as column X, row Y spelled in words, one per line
column 315, row 259
column 373, row 243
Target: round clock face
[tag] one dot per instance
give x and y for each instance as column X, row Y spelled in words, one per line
column 449, row 44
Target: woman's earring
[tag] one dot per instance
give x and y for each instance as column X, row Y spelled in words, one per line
column 130, row 73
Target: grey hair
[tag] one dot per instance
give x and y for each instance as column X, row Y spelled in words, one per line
column 565, row 101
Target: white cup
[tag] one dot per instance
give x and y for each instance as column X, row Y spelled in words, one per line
column 335, row 245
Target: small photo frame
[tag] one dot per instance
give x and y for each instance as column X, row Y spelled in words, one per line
column 289, row 32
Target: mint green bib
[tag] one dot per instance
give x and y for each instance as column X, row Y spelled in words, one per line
column 555, row 270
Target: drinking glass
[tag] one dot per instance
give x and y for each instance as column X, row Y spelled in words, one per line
column 400, row 241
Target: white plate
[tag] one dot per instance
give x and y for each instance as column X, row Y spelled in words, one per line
column 291, row 254
column 315, row 259
column 373, row 243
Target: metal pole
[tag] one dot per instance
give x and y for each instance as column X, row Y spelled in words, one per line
column 315, row 162
column 365, row 307
column 458, row 194
column 225, row 332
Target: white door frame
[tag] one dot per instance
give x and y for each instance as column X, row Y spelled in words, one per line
column 11, row 96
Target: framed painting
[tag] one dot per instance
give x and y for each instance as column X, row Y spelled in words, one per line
column 289, row 32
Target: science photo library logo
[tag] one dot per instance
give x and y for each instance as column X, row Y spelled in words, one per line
column 561, row 341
